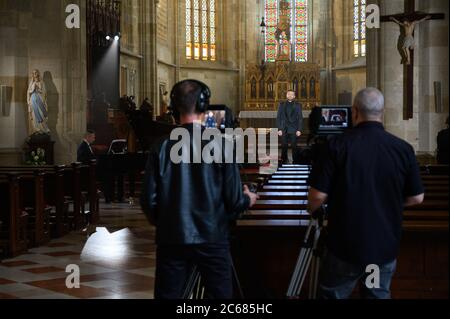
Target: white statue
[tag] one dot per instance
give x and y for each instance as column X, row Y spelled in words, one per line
column 37, row 105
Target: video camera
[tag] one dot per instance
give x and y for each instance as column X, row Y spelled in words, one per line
column 325, row 122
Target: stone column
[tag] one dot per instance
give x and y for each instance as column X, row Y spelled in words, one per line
column 373, row 53
column 148, row 85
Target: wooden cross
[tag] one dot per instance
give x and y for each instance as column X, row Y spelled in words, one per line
column 410, row 14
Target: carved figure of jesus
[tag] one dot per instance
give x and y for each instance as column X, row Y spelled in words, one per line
column 408, row 40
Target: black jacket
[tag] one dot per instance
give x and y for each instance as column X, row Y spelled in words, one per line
column 84, row 153
column 290, row 117
column 190, row 203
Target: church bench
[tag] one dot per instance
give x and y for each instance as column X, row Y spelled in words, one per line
column 275, row 214
column 430, row 178
column 53, row 195
column 280, row 204
column 13, row 234
column 288, row 182
column 430, row 204
column 435, row 182
column 69, row 182
column 290, row 177
column 285, row 188
column 32, row 201
column 288, row 195
column 435, row 169
column 408, row 215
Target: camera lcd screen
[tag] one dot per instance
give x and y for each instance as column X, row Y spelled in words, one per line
column 335, row 118
column 214, row 119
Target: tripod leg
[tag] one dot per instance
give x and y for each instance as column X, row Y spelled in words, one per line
column 294, row 279
column 300, row 265
column 191, row 283
column 305, row 271
column 236, row 278
column 316, row 277
column 313, row 279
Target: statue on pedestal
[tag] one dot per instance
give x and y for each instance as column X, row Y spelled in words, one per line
column 37, row 105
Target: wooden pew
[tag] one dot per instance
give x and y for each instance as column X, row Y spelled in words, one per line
column 53, row 195
column 31, row 192
column 63, row 190
column 13, row 234
column 78, row 185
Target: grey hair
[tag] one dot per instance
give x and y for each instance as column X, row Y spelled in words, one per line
column 370, row 102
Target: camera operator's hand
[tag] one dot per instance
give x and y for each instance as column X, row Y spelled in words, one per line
column 280, row 133
column 253, row 197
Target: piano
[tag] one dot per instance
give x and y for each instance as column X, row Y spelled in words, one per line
column 130, row 163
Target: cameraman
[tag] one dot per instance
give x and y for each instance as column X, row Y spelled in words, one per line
column 367, row 176
column 191, row 206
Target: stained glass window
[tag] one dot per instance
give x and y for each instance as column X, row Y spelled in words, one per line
column 359, row 28
column 201, row 30
column 296, row 40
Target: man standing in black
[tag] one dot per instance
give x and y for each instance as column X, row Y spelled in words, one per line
column 290, row 125
column 192, row 205
column 367, row 176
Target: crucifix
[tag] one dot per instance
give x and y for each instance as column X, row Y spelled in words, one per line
column 408, row 21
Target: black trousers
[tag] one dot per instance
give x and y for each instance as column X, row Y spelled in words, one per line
column 174, row 264
column 286, row 139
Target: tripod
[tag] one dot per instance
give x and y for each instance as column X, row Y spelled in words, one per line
column 195, row 290
column 310, row 253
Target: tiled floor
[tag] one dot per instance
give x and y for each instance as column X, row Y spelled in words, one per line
column 117, row 261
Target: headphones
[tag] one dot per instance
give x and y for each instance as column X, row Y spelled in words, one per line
column 203, row 97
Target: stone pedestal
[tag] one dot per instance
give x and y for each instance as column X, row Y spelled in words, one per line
column 40, row 141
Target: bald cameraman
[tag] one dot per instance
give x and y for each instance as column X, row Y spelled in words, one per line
column 192, row 205
column 367, row 176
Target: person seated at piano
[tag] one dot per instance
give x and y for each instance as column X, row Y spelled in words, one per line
column 85, row 153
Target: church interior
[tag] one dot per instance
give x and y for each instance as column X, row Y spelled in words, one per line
column 71, row 67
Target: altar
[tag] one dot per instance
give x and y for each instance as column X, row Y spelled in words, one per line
column 267, row 84
column 266, row 87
